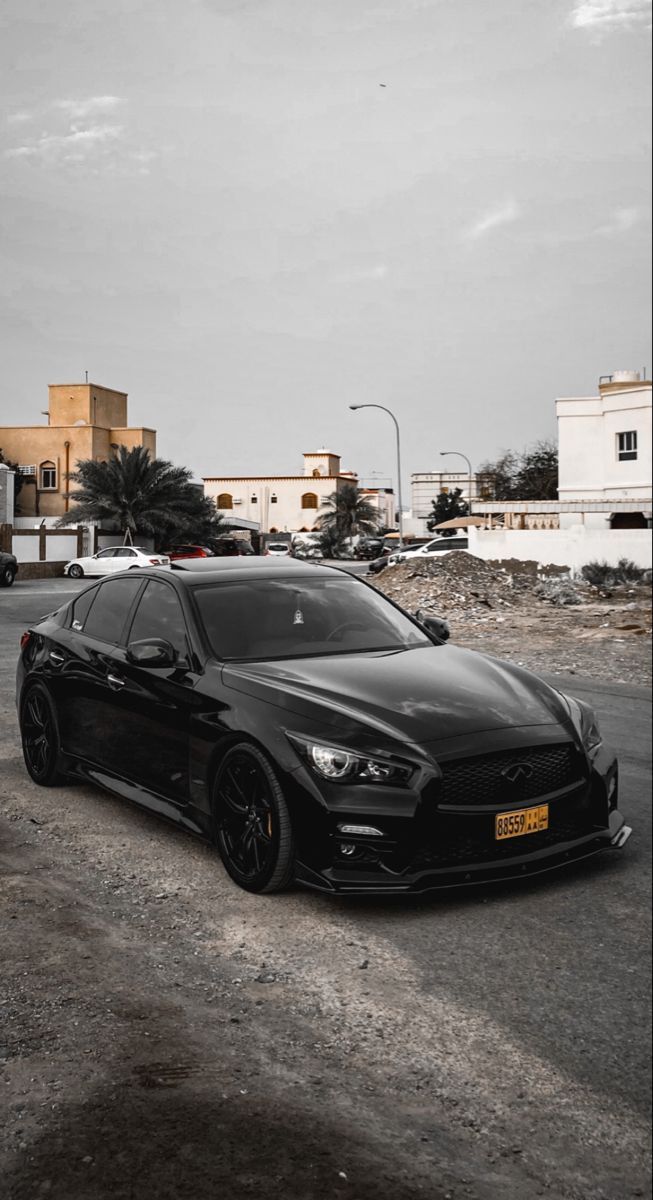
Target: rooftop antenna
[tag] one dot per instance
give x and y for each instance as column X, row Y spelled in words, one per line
column 86, row 375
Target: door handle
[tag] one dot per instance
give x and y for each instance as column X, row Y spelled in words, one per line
column 115, row 682
column 57, row 658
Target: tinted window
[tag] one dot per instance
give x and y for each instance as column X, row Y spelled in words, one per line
column 282, row 618
column 81, row 607
column 110, row 610
column 159, row 615
column 125, row 552
column 107, row 553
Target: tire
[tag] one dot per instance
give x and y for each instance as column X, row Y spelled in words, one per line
column 252, row 827
column 7, row 576
column 76, row 572
column 39, row 732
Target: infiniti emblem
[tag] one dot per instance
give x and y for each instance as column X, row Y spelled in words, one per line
column 517, row 772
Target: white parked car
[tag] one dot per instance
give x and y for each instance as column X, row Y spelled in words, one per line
column 280, row 549
column 438, row 545
column 114, row 558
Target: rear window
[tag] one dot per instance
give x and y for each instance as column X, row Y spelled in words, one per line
column 81, row 607
column 111, row 606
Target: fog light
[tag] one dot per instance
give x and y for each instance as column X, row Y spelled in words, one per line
column 361, row 830
column 347, row 848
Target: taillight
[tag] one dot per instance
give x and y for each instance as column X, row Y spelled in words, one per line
column 24, row 640
column 155, row 562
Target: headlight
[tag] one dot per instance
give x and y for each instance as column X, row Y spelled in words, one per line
column 340, row 765
column 585, row 722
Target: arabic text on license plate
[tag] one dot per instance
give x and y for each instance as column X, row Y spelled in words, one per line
column 525, row 820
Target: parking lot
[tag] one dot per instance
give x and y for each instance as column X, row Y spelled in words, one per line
column 164, row 1033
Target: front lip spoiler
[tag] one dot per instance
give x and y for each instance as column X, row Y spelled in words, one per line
column 472, row 875
column 621, row 837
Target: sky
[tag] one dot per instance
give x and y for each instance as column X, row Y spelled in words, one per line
column 250, row 214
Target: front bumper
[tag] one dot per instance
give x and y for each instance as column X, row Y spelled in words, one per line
column 429, row 844
column 379, row 881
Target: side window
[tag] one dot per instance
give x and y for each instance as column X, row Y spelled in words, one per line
column 159, row 615
column 107, row 553
column 113, row 601
column 81, row 608
column 125, row 552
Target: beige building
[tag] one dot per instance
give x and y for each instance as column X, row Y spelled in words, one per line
column 281, row 503
column 84, row 421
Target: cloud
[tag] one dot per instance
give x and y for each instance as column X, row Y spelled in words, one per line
column 506, row 214
column 78, row 110
column 374, row 274
column 622, row 221
column 607, row 16
column 74, row 146
column 18, row 118
column 83, row 132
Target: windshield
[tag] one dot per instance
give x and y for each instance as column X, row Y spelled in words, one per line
column 284, row 618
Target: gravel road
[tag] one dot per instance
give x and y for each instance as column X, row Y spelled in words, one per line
column 165, row 1034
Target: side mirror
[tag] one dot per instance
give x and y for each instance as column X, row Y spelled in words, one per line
column 435, row 625
column 151, row 652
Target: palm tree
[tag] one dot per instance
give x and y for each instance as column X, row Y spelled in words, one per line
column 346, row 513
column 142, row 495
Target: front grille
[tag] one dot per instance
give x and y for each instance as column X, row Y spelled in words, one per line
column 462, row 844
column 483, row 780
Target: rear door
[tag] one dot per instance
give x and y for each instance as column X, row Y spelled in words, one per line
column 83, row 668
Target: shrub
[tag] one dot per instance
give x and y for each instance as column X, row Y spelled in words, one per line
column 598, row 574
column 601, row 574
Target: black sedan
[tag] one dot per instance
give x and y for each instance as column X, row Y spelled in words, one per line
column 8, row 568
column 313, row 730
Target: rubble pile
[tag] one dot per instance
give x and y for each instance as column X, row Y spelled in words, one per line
column 518, row 612
column 454, row 582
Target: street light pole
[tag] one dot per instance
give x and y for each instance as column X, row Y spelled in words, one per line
column 458, row 454
column 399, row 504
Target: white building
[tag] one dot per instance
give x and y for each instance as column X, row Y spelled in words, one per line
column 605, row 494
column 426, row 486
column 605, row 441
column 281, row 503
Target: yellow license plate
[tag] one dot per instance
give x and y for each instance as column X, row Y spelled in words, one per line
column 525, row 820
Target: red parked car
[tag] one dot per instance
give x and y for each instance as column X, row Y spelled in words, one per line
column 189, row 552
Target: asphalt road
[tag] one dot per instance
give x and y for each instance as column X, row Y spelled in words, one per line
column 166, row 1034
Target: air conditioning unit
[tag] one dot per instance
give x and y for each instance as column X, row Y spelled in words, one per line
column 236, row 500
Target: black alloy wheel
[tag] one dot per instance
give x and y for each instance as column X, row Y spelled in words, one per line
column 7, row 576
column 40, row 736
column 76, row 572
column 251, row 820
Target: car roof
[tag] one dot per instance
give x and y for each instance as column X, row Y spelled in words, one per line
column 214, row 570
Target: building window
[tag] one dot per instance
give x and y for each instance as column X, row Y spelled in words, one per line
column 224, row 500
column 627, row 446
column 47, row 477
column 254, row 499
column 309, row 500
column 273, row 498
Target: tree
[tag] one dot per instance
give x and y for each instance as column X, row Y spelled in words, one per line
column 347, row 513
column 19, row 478
column 531, row 474
column 446, row 506
column 142, row 495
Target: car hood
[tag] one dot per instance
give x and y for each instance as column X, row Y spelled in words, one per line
column 418, row 695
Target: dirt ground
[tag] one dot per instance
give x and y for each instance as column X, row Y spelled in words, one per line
column 548, row 625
